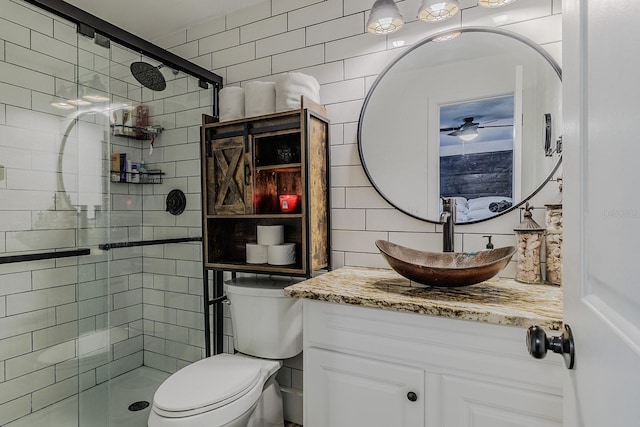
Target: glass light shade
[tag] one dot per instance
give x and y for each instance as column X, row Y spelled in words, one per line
column 384, row 18
column 494, row 3
column 467, row 135
column 437, row 10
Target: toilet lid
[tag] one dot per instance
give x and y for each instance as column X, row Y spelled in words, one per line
column 208, row 383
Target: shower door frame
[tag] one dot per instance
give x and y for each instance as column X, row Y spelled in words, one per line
column 89, row 25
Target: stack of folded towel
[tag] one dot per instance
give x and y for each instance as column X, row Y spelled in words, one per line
column 289, row 88
column 231, row 103
column 259, row 98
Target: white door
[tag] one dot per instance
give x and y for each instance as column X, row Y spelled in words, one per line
column 601, row 269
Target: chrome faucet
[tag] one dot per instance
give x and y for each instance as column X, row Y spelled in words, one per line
column 448, row 219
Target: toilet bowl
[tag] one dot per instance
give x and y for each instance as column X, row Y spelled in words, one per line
column 237, row 390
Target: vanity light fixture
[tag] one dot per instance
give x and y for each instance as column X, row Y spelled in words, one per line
column 384, row 18
column 79, row 100
column 84, row 95
column 95, row 90
column 494, row 3
column 437, row 10
column 62, row 100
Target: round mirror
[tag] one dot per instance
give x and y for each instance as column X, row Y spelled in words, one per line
column 474, row 114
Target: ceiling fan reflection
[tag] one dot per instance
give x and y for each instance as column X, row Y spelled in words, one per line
column 468, row 131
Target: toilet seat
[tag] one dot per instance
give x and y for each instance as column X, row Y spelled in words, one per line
column 220, row 388
column 208, row 384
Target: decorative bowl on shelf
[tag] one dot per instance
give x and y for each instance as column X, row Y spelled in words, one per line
column 445, row 269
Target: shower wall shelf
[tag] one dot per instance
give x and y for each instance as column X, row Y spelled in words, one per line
column 150, row 177
column 142, row 133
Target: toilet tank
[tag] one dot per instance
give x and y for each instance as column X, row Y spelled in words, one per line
column 266, row 323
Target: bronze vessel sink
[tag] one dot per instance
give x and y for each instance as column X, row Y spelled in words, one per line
column 445, row 269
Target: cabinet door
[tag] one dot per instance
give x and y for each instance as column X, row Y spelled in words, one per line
column 470, row 402
column 318, row 136
column 347, row 391
column 230, row 171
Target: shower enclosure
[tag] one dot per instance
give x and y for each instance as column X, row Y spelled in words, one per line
column 98, row 281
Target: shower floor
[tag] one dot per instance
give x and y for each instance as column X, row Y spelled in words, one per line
column 137, row 385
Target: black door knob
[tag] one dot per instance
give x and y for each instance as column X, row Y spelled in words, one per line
column 412, row 396
column 538, row 344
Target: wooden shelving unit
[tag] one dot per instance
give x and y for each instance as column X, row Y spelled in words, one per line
column 247, row 164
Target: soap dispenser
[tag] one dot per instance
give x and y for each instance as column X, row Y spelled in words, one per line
column 553, row 238
column 528, row 244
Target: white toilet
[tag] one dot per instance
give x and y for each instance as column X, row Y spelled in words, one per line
column 240, row 389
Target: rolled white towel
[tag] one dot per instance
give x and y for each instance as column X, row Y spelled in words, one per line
column 289, row 88
column 259, row 98
column 231, row 103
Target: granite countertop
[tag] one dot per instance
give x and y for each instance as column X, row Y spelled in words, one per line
column 498, row 301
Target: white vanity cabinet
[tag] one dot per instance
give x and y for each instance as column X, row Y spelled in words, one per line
column 371, row 367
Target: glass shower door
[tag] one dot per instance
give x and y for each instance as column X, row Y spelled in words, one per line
column 86, row 170
column 74, row 321
column 55, row 335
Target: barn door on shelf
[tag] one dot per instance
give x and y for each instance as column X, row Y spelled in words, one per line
column 232, row 171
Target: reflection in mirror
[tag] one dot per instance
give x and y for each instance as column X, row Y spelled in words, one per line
column 465, row 118
column 476, row 155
